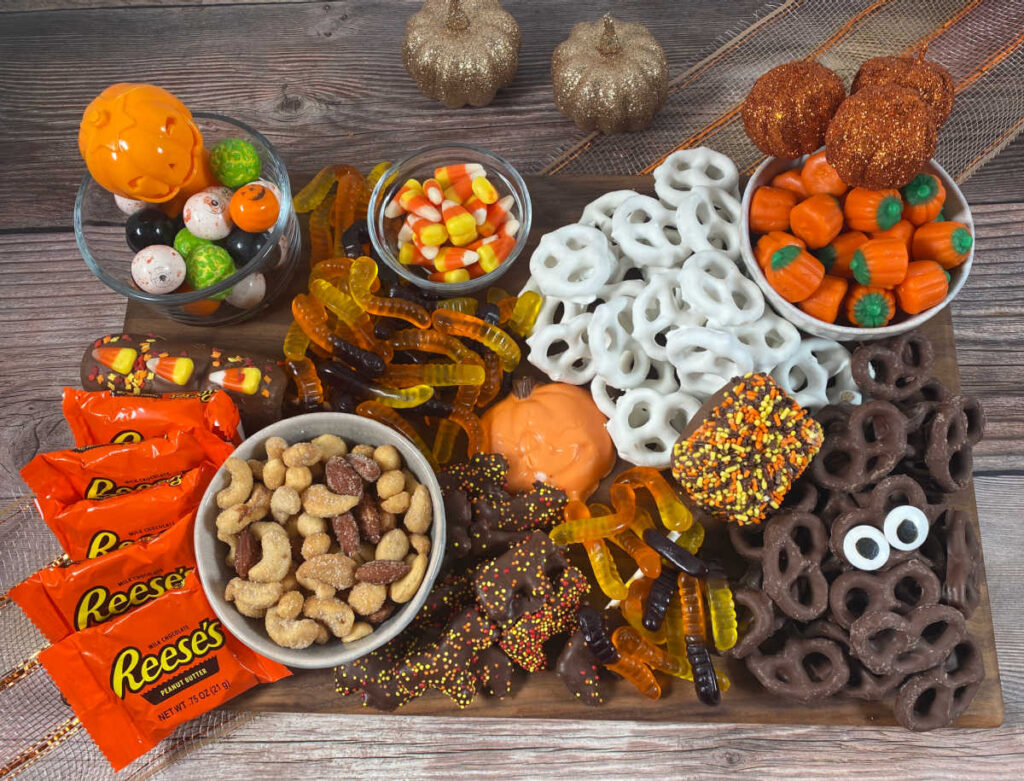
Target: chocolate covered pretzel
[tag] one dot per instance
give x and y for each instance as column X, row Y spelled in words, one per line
column 795, row 543
column 862, row 684
column 862, row 451
column 755, row 615
column 887, row 642
column 857, row 593
column 806, row 669
column 952, row 431
column 894, row 369
column 961, row 586
column 938, row 697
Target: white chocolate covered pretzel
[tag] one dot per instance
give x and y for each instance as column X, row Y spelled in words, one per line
column 688, row 168
column 706, row 359
column 645, row 232
column 618, row 357
column 573, row 262
column 659, row 308
column 715, row 285
column 562, row 351
column 708, row 218
column 818, row 373
column 598, row 213
column 647, row 423
column 770, row 340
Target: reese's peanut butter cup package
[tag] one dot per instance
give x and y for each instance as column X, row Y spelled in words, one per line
column 64, row 600
column 64, row 477
column 132, row 680
column 93, row 527
column 100, row 417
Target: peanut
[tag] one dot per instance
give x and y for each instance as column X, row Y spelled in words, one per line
column 298, row 477
column 330, row 445
column 392, row 546
column 387, row 457
column 419, row 513
column 390, row 483
column 398, row 503
column 284, row 503
column 273, row 473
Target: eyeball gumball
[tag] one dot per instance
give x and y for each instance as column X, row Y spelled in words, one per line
column 206, row 215
column 254, row 208
column 158, row 269
column 207, row 265
column 249, row 292
column 129, row 205
column 223, row 193
column 235, row 162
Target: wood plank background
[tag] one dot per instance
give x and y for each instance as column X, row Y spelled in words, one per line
column 324, row 81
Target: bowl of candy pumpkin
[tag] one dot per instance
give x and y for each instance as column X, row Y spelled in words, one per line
column 850, row 263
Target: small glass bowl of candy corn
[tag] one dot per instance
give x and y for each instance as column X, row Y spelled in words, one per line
column 450, row 218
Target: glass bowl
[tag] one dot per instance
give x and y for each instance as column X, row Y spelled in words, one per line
column 100, row 233
column 420, row 165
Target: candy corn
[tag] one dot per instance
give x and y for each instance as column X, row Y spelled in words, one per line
column 172, row 368
column 484, row 190
column 433, row 190
column 450, row 258
column 241, row 380
column 457, row 220
column 416, row 202
column 429, row 251
column 460, row 190
column 395, row 208
column 477, row 208
column 458, row 275
column 447, row 174
column 408, row 255
column 494, row 253
column 510, row 227
column 120, row 359
column 432, row 233
column 497, row 212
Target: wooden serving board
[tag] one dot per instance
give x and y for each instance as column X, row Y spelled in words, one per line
column 557, row 201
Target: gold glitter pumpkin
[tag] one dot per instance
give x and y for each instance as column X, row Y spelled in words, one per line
column 609, row 75
column 461, row 51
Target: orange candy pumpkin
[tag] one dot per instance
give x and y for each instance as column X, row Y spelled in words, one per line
column 553, row 433
column 140, row 141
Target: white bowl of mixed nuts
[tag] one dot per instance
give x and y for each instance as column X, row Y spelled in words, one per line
column 320, row 538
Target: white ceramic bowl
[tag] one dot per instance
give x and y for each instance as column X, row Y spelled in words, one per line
column 955, row 209
column 210, row 552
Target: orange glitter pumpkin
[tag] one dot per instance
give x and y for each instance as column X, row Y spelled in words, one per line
column 554, row 433
column 140, row 141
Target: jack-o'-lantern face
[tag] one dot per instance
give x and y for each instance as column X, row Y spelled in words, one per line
column 139, row 141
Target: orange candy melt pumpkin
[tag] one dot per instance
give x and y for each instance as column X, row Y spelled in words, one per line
column 553, row 433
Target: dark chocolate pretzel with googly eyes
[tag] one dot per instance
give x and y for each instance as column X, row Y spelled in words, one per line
column 792, row 570
column 806, row 669
column 887, row 642
column 895, row 369
column 856, row 593
column 863, row 451
column 938, row 697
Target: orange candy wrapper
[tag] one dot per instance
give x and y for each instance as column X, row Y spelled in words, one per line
column 132, row 680
column 93, row 527
column 64, row 477
column 100, row 417
column 64, row 600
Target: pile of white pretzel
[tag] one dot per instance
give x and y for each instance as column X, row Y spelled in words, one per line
column 644, row 300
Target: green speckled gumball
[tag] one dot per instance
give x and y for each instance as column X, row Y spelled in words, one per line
column 185, row 242
column 235, row 162
column 207, row 265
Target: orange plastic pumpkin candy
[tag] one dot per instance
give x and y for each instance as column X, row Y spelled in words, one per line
column 140, row 141
column 554, row 433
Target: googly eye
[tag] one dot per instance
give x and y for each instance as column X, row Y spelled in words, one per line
column 866, row 548
column 906, row 527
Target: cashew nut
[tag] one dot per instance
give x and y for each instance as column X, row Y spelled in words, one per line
column 310, row 524
column 277, row 553
column 320, row 501
column 291, row 632
column 285, row 503
column 328, row 571
column 401, row 591
column 419, row 514
column 360, row 629
column 252, row 599
column 241, row 484
column 301, row 454
column 274, row 473
column 275, row 446
column 330, row 445
column 290, row 604
column 338, row 616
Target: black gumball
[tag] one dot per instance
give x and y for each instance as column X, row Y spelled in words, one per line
column 243, row 246
column 148, row 227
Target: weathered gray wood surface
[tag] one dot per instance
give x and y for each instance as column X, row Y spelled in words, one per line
column 325, row 81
